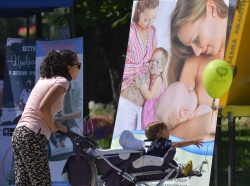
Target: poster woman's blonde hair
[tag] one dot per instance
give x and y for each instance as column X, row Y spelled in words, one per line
column 186, row 11
column 142, row 6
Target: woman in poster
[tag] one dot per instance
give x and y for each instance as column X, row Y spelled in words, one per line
column 25, row 94
column 197, row 36
column 141, row 44
column 72, row 114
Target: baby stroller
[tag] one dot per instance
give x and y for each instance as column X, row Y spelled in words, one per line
column 130, row 167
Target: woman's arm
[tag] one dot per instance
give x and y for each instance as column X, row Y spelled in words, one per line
column 189, row 72
column 155, row 89
column 79, row 99
column 65, row 117
column 45, row 107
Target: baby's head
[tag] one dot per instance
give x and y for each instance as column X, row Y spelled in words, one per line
column 157, row 129
column 158, row 61
column 176, row 104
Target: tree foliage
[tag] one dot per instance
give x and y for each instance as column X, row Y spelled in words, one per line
column 104, row 25
column 91, row 12
column 105, row 28
column 9, row 28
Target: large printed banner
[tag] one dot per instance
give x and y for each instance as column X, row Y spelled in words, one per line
column 170, row 43
column 57, row 151
column 19, row 76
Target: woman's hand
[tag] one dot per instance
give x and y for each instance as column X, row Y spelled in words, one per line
column 143, row 80
column 45, row 106
column 137, row 82
column 60, row 127
column 61, row 118
column 133, row 83
column 133, row 87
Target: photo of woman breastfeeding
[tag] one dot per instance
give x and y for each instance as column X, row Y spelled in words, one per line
column 141, row 44
column 193, row 33
column 197, row 36
column 31, row 135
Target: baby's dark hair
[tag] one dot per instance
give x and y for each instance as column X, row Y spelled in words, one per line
column 54, row 64
column 154, row 128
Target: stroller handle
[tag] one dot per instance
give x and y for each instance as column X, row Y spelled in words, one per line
column 68, row 134
column 84, row 139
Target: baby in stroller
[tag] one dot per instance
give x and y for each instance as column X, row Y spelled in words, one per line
column 158, row 133
column 132, row 165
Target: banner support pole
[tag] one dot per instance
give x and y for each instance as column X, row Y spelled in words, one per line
column 217, row 153
column 231, row 149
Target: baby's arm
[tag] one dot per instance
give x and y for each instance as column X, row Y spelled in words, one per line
column 184, row 143
column 148, row 94
column 189, row 72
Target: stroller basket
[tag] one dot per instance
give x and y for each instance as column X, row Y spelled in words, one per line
column 131, row 167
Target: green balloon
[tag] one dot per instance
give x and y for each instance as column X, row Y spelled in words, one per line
column 217, row 78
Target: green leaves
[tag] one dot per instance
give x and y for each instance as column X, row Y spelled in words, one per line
column 92, row 12
column 62, row 20
column 112, row 12
column 122, row 20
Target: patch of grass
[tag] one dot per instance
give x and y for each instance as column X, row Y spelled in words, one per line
column 242, row 150
column 242, row 153
column 241, row 178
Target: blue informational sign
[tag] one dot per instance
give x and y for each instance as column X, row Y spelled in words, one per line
column 19, row 75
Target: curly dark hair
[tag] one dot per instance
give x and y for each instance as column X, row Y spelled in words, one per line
column 68, row 56
column 56, row 64
column 153, row 129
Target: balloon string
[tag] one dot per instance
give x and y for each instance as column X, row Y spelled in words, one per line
column 210, row 126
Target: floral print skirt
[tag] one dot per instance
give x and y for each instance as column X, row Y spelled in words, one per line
column 30, row 158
